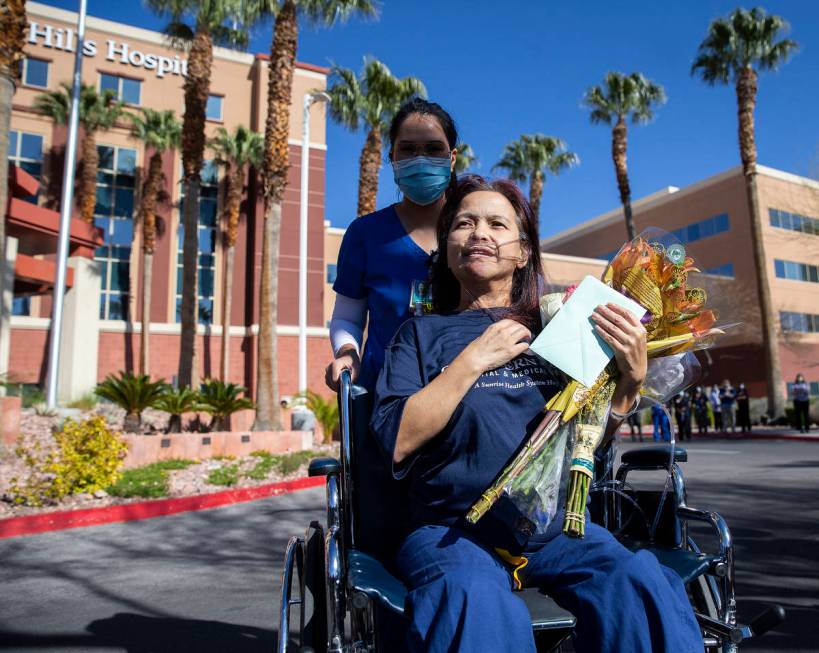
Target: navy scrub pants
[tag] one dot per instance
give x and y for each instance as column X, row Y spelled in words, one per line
column 461, row 595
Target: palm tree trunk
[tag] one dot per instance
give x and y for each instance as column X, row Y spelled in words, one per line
column 148, row 213
column 276, row 164
column 746, row 89
column 227, row 284
column 197, row 86
column 536, row 192
column 234, row 200
column 88, row 180
column 619, row 143
column 368, row 165
column 6, row 94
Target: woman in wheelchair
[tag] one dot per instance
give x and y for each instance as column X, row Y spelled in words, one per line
column 456, row 397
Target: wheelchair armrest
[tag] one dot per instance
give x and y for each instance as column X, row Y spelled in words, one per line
column 716, row 522
column 323, row 467
column 653, row 457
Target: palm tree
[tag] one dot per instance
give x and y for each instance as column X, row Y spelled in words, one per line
column 98, row 112
column 197, row 25
column 160, row 131
column 530, row 157
column 274, row 182
column 616, row 99
column 734, row 50
column 465, row 158
column 372, row 100
column 234, row 151
column 12, row 41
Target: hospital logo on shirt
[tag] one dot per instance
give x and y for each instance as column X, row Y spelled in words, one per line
column 522, row 372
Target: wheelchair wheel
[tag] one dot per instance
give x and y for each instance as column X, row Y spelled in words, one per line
column 313, row 624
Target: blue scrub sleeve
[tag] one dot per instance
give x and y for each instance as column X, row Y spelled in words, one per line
column 351, row 264
column 400, row 378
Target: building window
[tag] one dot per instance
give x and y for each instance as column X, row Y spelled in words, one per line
column 34, row 72
column 113, row 214
column 803, row 322
column 332, row 272
column 703, row 229
column 794, row 222
column 126, row 89
column 26, row 152
column 726, row 270
column 213, row 110
column 206, row 260
column 21, row 306
column 796, row 271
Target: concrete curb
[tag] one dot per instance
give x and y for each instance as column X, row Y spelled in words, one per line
column 55, row 521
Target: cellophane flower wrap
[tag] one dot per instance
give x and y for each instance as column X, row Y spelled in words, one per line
column 558, row 459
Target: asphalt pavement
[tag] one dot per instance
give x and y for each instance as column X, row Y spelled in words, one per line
column 208, row 581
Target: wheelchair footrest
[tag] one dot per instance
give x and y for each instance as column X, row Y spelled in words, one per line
column 688, row 564
column 369, row 576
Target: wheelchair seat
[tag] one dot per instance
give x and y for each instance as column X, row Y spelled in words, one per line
column 368, row 576
column 656, row 456
column 688, row 564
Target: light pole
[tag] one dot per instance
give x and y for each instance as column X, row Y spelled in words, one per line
column 65, row 218
column 309, row 99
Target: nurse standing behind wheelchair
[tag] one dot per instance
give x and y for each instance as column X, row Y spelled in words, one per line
column 384, row 259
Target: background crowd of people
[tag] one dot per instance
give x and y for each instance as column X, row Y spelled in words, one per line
column 720, row 408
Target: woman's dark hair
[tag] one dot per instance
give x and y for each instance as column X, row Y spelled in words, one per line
column 446, row 290
column 424, row 107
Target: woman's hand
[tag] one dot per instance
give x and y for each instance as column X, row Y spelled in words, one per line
column 627, row 337
column 500, row 343
column 346, row 359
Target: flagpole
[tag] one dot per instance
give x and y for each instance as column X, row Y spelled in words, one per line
column 65, row 217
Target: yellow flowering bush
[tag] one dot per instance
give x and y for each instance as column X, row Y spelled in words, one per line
column 86, row 457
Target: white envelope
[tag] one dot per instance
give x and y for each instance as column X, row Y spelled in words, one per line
column 569, row 341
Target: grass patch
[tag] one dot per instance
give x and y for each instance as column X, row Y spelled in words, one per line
column 149, row 481
column 86, row 402
column 286, row 464
column 224, row 457
column 227, row 476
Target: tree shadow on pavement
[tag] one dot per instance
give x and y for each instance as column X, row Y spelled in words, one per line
column 136, row 633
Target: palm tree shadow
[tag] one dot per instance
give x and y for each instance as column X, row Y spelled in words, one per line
column 137, row 633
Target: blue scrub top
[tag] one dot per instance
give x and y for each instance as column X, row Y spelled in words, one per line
column 378, row 261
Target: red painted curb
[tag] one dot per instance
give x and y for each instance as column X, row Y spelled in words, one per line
column 54, row 521
column 735, row 438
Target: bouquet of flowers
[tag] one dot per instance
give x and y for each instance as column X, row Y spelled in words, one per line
column 653, row 270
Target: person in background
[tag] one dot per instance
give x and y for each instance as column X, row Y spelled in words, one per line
column 682, row 413
column 743, row 409
column 635, row 425
column 716, row 407
column 659, row 419
column 384, row 259
column 727, row 399
column 801, row 403
column 699, row 405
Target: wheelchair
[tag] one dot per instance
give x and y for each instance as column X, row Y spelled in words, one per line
column 339, row 577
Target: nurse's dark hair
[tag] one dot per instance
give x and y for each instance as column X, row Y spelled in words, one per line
column 424, row 107
column 446, row 290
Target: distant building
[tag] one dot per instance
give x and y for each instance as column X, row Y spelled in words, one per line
column 144, row 72
column 711, row 218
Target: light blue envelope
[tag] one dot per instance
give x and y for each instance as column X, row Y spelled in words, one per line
column 569, row 341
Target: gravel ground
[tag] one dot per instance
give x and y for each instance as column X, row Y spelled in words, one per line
column 37, row 432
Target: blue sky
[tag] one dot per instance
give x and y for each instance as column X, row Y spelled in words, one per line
column 517, row 67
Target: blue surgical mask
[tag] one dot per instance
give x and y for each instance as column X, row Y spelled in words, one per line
column 423, row 178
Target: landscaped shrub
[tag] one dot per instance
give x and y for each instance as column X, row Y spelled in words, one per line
column 85, row 457
column 133, row 393
column 176, row 402
column 149, row 481
column 221, row 400
column 227, row 475
column 325, row 410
